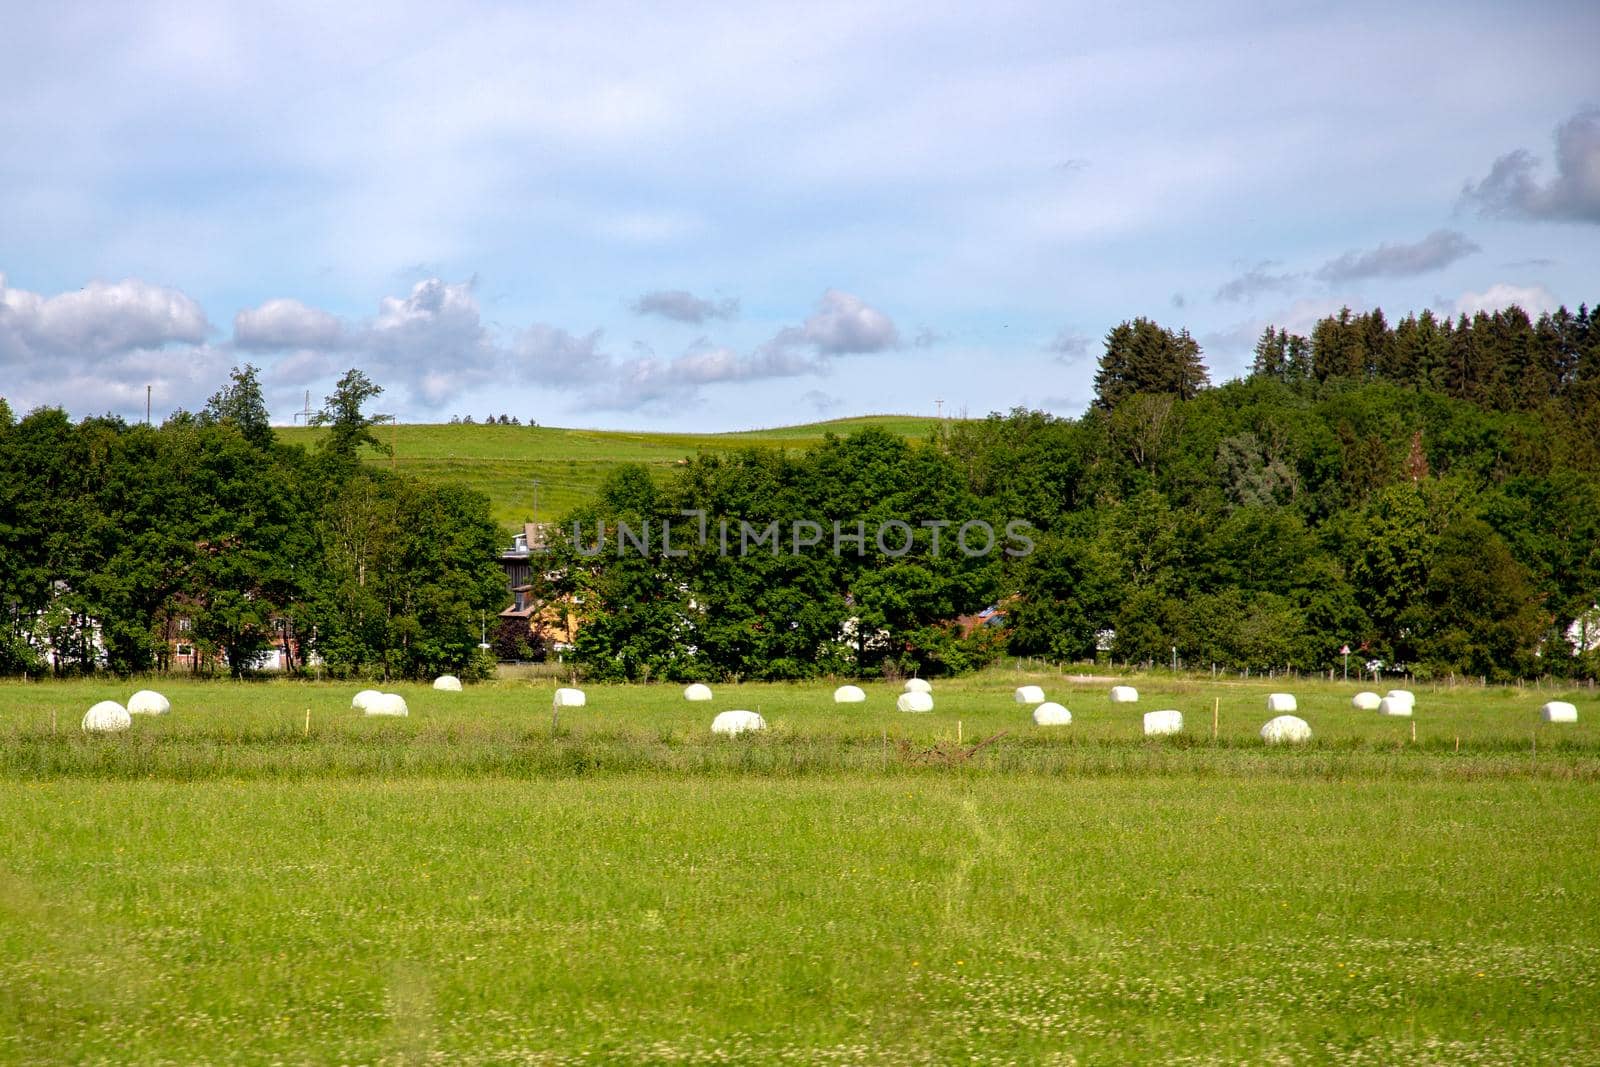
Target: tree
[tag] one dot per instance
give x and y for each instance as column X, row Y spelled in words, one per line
column 349, row 427
column 1142, row 357
column 240, row 403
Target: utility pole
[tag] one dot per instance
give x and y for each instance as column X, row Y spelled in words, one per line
column 938, row 408
column 147, row 405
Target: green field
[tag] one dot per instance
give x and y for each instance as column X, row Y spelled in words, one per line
column 504, row 461
column 478, row 884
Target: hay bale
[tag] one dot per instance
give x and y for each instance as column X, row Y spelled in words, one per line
column 732, row 723
column 1400, row 709
column 569, row 698
column 388, row 705
column 1558, row 711
column 917, row 685
column 1402, row 694
column 360, row 701
column 1286, row 730
column 1124, row 694
column 1051, row 714
column 1029, row 694
column 697, row 692
column 1162, row 723
column 148, row 702
column 107, row 717
column 1366, row 701
column 915, row 702
column 1280, row 702
column 447, row 683
column 849, row 694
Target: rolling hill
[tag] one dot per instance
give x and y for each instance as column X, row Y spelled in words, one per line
column 504, row 462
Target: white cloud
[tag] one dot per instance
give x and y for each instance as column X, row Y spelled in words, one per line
column 1534, row 299
column 842, row 324
column 1256, row 281
column 280, row 324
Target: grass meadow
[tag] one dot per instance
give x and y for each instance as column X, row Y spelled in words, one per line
column 502, row 462
column 478, row 884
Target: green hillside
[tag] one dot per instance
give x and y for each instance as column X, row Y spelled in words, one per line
column 505, row 461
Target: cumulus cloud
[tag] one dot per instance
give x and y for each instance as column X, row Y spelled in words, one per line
column 103, row 344
column 1534, row 299
column 1513, row 189
column 282, row 324
column 1257, row 281
column 843, row 324
column 681, row 305
column 98, row 320
column 1434, row 252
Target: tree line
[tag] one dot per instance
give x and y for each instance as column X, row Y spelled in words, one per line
column 120, row 543
column 1409, row 493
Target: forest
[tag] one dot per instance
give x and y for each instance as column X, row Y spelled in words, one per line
column 120, row 544
column 1425, row 494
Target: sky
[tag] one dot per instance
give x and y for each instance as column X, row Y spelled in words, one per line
column 716, row 217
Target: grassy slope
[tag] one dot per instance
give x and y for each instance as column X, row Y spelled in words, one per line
column 504, row 461
column 463, row 886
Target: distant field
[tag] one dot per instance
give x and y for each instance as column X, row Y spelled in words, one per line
column 504, row 461
column 475, row 884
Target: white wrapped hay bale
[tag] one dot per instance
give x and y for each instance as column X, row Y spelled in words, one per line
column 447, row 683
column 1281, row 702
column 107, row 717
column 917, row 685
column 1162, row 723
column 1124, row 694
column 1029, row 694
column 148, row 702
column 698, row 692
column 360, row 701
column 915, row 702
column 1366, row 701
column 1286, row 730
column 1558, row 711
column 731, row 723
column 1402, row 694
column 1051, row 714
column 388, row 705
column 569, row 698
column 1399, row 709
column 849, row 694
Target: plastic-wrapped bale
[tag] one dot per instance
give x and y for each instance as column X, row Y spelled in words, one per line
column 730, row 723
column 569, row 698
column 1281, row 702
column 1393, row 706
column 1558, row 711
column 448, row 683
column 849, row 694
column 1029, row 694
column 917, row 685
column 1402, row 694
column 1366, row 701
column 1124, row 694
column 388, row 705
column 1286, row 730
column 360, row 701
column 915, row 702
column 698, row 692
column 107, row 717
column 1162, row 723
column 148, row 702
column 1051, row 714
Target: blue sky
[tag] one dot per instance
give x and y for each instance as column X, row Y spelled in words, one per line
column 713, row 217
